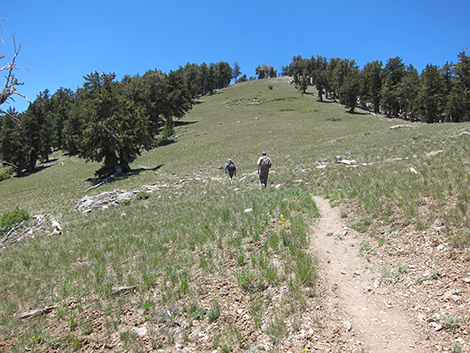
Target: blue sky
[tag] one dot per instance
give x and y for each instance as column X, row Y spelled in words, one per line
column 67, row 39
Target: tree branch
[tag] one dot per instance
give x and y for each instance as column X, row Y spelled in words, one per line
column 11, row 164
column 11, row 82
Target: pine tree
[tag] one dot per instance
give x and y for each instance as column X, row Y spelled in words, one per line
column 431, row 97
column 372, row 84
column 458, row 103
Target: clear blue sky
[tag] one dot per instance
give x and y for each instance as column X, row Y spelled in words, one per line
column 67, row 39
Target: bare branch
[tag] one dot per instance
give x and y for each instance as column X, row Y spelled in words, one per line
column 10, row 164
column 12, row 117
column 11, row 82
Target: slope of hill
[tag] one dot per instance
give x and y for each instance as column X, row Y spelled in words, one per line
column 178, row 259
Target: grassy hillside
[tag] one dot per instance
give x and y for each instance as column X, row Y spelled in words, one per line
column 198, row 249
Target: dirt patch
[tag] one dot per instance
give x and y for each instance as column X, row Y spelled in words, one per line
column 365, row 313
column 408, row 294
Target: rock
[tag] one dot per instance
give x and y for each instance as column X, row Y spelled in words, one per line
column 194, row 335
column 248, row 210
column 401, row 126
column 347, row 325
column 140, row 331
column 377, row 283
column 433, row 153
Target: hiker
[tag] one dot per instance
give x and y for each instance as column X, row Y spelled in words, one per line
column 264, row 163
column 230, row 169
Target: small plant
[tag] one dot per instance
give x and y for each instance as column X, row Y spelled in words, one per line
column 456, row 348
column 386, row 271
column 14, row 217
column 402, row 268
column 6, row 174
column 196, row 312
column 127, row 338
column 362, row 224
column 451, row 323
column 214, row 312
column 435, row 275
column 245, row 279
column 256, row 311
column 365, row 246
column 278, row 328
column 35, row 340
column 142, row 195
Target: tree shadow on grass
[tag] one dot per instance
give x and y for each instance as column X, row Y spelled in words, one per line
column 184, row 123
column 39, row 168
column 112, row 178
column 355, row 112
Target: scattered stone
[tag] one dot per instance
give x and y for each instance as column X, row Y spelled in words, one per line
column 31, row 313
column 433, row 153
column 347, row 325
column 248, row 210
column 343, row 160
column 401, row 126
column 194, row 335
column 120, row 290
column 140, row 331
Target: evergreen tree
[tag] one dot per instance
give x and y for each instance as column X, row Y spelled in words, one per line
column 372, row 84
column 392, row 74
column 350, row 87
column 458, row 103
column 223, row 75
column 236, row 71
column 37, row 128
column 97, row 103
column 61, row 103
column 265, row 71
column 13, row 146
column 320, row 75
column 332, row 78
column 408, row 88
column 119, row 120
column 431, row 98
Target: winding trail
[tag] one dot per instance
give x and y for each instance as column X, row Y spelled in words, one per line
column 365, row 310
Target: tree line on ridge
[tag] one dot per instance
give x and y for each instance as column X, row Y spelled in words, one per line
column 112, row 122
column 438, row 94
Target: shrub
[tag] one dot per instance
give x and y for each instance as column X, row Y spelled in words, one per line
column 6, row 174
column 214, row 313
column 11, row 218
column 142, row 195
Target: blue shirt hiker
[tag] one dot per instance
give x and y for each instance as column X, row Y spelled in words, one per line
column 231, row 170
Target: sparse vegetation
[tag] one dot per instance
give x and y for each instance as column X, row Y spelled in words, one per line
column 190, row 252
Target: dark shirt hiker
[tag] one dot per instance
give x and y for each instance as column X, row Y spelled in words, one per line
column 264, row 163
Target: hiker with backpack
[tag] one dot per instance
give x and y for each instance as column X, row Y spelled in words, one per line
column 231, row 170
column 264, row 163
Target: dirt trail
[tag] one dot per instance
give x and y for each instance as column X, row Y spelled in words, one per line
column 369, row 318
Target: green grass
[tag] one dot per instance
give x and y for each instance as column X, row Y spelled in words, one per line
column 163, row 242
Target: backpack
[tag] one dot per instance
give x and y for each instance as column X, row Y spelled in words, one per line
column 266, row 162
column 231, row 166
